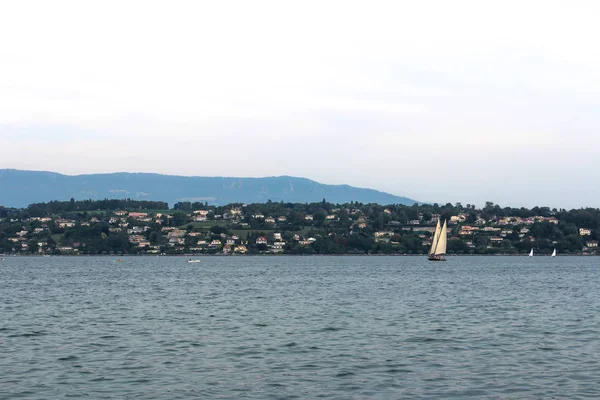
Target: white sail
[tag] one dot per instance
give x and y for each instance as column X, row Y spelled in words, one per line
column 441, row 244
column 554, row 253
column 436, row 236
column 531, row 253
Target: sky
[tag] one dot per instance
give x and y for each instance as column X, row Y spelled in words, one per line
column 461, row 101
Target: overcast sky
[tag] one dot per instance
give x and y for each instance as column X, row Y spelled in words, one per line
column 439, row 101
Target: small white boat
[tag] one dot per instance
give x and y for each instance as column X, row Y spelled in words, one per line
column 531, row 253
column 553, row 253
column 193, row 261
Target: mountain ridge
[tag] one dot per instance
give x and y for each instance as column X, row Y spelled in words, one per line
column 19, row 188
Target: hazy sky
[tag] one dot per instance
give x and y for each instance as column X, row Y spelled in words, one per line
column 438, row 101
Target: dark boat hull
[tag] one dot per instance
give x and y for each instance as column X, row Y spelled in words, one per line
column 436, row 258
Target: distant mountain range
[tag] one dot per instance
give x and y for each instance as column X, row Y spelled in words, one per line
column 20, row 188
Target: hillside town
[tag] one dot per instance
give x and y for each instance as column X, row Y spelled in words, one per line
column 88, row 227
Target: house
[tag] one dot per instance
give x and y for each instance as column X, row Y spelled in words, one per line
column 270, row 220
column 282, row 219
column 64, row 223
column 138, row 215
column 458, row 218
column 240, row 249
column 491, row 229
column 468, row 230
column 277, row 236
column 176, row 241
column 308, row 217
column 120, row 213
column 591, row 243
column 261, row 240
column 496, row 239
column 585, row 232
column 330, row 217
column 176, row 233
column 199, row 218
column 136, row 230
column 136, row 238
column 201, row 212
column 258, row 216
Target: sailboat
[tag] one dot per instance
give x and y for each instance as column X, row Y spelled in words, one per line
column 553, row 253
column 438, row 244
column 531, row 253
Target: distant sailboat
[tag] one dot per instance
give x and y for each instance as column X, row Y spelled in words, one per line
column 531, row 253
column 438, row 244
column 554, row 253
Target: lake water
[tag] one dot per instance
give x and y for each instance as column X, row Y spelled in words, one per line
column 300, row 327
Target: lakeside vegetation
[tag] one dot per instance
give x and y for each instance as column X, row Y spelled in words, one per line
column 125, row 226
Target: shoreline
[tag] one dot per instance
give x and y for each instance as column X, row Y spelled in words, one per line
column 287, row 255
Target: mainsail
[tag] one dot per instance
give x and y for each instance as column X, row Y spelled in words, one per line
column 436, row 236
column 438, row 245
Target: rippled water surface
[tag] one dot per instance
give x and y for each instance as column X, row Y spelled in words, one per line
column 300, row 327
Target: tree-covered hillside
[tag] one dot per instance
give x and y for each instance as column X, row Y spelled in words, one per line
column 19, row 188
column 142, row 227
